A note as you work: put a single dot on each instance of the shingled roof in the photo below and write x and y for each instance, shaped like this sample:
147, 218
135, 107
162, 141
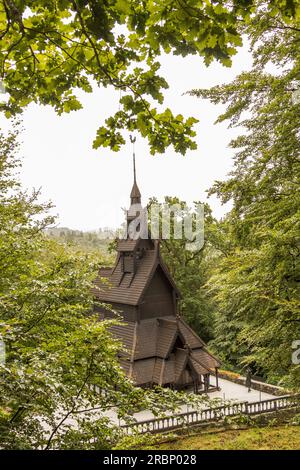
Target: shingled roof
128, 288
167, 332
127, 244
156, 370
205, 359
147, 354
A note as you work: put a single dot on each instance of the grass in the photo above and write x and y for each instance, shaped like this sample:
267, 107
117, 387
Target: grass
275, 438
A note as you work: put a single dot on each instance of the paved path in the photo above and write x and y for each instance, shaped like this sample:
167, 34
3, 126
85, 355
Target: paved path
229, 391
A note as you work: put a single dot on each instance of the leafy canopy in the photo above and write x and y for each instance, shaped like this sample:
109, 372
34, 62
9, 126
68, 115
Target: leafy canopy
256, 284
51, 49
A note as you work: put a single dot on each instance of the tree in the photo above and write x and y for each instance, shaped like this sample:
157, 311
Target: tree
90, 242
257, 283
50, 49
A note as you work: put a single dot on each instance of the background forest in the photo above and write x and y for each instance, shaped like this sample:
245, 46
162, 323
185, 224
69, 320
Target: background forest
240, 292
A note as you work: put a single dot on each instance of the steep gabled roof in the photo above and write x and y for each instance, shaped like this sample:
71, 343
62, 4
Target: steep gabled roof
120, 290
143, 371
152, 356
166, 336
129, 288
181, 358
204, 358
159, 263
191, 338
199, 368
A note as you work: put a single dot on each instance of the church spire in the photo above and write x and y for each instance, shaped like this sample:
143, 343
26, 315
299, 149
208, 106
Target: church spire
135, 195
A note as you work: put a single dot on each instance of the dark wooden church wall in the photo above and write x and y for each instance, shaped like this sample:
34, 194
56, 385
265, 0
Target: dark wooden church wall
128, 312
158, 299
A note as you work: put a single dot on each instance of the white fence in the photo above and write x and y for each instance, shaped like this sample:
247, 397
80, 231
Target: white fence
180, 420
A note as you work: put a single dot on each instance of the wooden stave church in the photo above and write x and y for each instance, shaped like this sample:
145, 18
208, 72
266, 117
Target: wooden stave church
159, 347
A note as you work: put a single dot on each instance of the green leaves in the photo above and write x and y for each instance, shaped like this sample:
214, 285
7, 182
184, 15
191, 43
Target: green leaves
158, 128
257, 284
55, 351
58, 47
108, 137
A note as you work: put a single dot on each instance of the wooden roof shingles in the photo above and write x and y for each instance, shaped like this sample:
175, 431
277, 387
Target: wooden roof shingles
146, 339
204, 358
166, 336
181, 357
191, 338
120, 291
154, 339
105, 271
128, 244
125, 333
168, 376
143, 371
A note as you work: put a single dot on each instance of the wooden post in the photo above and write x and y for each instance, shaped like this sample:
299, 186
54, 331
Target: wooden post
217, 378
206, 382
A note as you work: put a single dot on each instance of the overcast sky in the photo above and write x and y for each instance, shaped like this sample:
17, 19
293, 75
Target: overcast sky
89, 187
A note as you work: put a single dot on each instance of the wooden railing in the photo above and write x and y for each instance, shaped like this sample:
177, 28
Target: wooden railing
168, 423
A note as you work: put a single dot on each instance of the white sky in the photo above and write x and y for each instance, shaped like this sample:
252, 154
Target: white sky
89, 187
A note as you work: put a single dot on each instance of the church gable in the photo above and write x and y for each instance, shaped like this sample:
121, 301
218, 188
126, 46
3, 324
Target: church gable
126, 287
158, 296
138, 277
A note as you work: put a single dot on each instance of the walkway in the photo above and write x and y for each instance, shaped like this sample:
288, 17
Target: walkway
229, 391
232, 391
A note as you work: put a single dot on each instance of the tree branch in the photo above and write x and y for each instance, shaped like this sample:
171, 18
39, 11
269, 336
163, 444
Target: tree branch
74, 404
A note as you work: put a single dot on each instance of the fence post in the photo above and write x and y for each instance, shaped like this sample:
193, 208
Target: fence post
246, 408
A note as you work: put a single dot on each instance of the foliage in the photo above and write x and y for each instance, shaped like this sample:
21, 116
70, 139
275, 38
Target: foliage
138, 441
53, 349
95, 242
256, 283
51, 49
295, 420
277, 438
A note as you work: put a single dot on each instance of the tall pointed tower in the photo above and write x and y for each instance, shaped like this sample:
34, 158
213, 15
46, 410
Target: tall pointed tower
159, 347
135, 195
136, 217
